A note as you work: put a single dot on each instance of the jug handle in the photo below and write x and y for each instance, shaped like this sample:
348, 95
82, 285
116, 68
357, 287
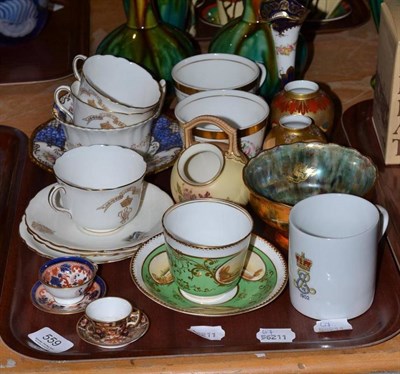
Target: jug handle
233, 147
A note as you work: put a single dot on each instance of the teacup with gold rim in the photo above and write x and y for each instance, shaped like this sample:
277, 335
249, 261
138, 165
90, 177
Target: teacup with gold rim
207, 244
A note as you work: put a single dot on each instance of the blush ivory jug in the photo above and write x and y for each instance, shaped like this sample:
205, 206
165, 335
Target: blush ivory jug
267, 32
204, 169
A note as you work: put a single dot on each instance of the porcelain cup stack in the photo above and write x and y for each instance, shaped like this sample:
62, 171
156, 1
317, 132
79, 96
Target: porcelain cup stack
100, 208
112, 101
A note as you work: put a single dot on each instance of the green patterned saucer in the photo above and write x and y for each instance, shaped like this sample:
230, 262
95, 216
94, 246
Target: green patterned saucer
263, 279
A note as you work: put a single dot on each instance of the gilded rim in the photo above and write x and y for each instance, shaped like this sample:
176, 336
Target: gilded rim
203, 201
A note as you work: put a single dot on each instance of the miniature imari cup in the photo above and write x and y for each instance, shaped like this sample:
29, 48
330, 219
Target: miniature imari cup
67, 278
207, 244
111, 317
99, 186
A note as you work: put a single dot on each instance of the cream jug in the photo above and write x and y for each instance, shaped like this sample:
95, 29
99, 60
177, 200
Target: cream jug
209, 170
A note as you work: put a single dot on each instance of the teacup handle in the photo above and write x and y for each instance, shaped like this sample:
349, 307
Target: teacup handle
75, 69
61, 106
163, 89
233, 147
384, 220
134, 318
53, 201
263, 73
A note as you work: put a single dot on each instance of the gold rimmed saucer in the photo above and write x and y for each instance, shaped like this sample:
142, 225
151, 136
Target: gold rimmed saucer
263, 280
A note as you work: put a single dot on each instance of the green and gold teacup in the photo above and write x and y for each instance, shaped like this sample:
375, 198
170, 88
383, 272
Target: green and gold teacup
207, 242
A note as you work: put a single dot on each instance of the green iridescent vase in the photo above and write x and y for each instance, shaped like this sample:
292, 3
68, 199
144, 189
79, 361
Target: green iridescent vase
149, 42
267, 32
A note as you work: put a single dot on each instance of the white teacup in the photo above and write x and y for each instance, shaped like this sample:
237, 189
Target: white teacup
136, 137
333, 242
99, 186
244, 111
207, 243
116, 84
84, 114
216, 71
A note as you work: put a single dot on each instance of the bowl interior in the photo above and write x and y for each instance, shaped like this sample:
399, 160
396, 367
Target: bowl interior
290, 173
67, 274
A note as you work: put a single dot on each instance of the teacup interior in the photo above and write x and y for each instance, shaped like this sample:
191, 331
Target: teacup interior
334, 215
216, 74
100, 167
240, 111
208, 223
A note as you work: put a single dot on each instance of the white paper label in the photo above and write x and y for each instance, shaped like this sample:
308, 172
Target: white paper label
208, 332
265, 335
50, 341
330, 325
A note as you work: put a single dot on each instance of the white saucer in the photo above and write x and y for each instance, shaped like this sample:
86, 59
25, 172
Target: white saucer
58, 230
81, 252
44, 251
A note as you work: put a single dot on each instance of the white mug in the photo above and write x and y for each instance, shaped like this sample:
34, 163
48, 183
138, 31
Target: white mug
333, 247
99, 186
216, 71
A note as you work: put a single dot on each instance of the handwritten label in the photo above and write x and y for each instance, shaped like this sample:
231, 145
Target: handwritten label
50, 341
208, 332
330, 325
265, 335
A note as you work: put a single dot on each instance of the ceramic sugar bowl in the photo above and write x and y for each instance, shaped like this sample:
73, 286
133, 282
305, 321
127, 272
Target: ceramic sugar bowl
292, 129
305, 98
207, 170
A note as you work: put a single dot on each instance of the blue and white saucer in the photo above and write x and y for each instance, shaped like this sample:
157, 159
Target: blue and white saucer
47, 143
44, 301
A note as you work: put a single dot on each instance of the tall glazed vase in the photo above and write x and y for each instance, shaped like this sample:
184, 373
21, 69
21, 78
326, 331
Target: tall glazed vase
149, 42
267, 32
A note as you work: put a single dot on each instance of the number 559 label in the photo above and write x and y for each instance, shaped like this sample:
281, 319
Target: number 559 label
50, 341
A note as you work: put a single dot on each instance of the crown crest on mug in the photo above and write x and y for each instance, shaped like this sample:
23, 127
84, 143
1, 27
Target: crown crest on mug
303, 262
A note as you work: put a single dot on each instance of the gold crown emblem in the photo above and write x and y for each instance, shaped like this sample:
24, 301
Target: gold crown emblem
126, 202
303, 262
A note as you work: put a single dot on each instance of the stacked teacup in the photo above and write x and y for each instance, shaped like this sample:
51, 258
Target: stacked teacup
112, 101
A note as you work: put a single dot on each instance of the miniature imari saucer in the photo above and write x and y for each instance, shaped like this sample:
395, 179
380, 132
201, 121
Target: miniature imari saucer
46, 302
263, 279
57, 230
86, 332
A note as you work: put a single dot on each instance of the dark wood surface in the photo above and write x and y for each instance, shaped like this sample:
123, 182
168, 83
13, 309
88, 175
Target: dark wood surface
49, 55
13, 152
358, 127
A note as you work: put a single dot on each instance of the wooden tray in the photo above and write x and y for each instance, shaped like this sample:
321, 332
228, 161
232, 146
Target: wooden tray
49, 55
13, 151
360, 133
168, 334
